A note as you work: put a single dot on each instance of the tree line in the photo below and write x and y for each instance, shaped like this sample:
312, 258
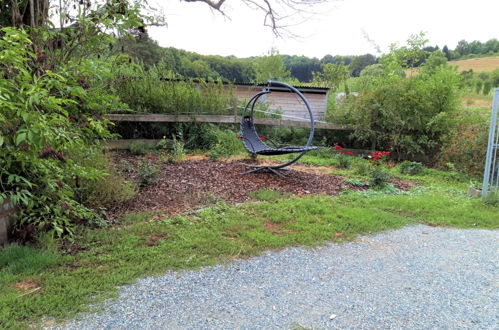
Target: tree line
186, 64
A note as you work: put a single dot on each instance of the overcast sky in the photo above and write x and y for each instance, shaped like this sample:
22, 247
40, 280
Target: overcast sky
339, 28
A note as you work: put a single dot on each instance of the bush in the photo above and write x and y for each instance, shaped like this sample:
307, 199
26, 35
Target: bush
344, 161
224, 143
177, 153
108, 190
362, 167
48, 114
465, 144
146, 91
148, 173
378, 177
140, 148
492, 198
409, 116
411, 168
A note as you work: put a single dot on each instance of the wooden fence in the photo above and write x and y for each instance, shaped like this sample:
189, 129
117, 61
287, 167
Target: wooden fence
231, 119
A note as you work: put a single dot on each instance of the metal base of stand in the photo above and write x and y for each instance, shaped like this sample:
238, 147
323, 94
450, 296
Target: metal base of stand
271, 169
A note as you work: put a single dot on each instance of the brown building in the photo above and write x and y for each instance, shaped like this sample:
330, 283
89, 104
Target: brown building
287, 102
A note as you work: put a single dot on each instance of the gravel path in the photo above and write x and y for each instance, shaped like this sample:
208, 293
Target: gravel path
417, 277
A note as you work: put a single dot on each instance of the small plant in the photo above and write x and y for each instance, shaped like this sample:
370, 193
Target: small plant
492, 198
450, 166
357, 182
164, 144
148, 172
124, 166
178, 152
215, 153
411, 168
362, 168
139, 148
344, 158
378, 177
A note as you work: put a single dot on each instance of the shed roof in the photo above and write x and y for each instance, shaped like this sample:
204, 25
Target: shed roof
301, 88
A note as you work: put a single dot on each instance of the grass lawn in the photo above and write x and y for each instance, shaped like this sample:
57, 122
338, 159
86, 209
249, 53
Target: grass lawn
40, 283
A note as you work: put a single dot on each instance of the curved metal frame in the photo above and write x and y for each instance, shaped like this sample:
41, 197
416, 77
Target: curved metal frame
253, 101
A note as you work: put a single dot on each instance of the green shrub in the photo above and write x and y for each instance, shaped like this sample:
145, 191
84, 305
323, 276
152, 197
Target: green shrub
492, 198
106, 191
177, 153
411, 168
378, 177
214, 155
344, 161
146, 91
223, 143
357, 182
407, 115
48, 114
362, 167
465, 144
140, 148
148, 172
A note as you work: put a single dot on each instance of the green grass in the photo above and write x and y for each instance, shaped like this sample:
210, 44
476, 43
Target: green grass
114, 256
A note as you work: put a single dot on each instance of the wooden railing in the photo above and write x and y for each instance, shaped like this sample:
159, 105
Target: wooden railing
160, 118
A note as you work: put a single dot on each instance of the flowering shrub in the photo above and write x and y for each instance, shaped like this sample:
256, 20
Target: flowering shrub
379, 157
408, 115
343, 157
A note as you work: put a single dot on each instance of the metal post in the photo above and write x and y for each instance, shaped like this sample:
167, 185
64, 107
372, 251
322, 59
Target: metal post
492, 147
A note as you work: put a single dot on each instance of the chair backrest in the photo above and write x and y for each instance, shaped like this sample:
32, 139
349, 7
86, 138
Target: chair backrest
250, 137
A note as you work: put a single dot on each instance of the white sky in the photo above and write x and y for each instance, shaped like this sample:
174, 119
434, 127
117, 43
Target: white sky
336, 30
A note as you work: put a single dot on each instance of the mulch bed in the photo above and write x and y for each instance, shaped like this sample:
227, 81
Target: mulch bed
195, 183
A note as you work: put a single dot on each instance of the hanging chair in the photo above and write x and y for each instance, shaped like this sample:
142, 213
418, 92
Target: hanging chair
254, 143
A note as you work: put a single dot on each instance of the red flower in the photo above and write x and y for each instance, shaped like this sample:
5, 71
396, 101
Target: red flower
148, 156
349, 153
239, 137
338, 148
263, 138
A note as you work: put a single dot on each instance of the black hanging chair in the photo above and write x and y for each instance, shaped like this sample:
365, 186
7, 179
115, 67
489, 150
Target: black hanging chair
253, 142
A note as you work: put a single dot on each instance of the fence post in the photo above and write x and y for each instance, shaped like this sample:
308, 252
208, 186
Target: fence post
492, 146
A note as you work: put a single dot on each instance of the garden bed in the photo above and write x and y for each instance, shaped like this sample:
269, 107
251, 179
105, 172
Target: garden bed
197, 182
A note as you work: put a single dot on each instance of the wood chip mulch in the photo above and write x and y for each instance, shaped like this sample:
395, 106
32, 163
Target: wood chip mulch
195, 183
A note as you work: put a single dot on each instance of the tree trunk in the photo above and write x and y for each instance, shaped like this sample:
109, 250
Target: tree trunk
32, 13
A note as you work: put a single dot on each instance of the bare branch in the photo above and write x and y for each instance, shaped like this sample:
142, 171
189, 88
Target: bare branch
213, 4
277, 13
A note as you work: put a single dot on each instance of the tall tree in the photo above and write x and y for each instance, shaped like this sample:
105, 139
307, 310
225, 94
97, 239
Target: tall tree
270, 67
333, 76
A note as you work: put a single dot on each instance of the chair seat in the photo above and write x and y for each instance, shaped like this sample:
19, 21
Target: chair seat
284, 150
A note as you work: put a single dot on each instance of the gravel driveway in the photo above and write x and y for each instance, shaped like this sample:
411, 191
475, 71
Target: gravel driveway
417, 277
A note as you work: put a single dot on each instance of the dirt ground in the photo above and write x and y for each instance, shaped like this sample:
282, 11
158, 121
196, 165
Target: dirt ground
196, 182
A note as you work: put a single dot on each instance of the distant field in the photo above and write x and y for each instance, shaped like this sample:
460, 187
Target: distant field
476, 100
486, 64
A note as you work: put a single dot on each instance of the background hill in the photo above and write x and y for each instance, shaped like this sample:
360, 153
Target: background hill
486, 64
